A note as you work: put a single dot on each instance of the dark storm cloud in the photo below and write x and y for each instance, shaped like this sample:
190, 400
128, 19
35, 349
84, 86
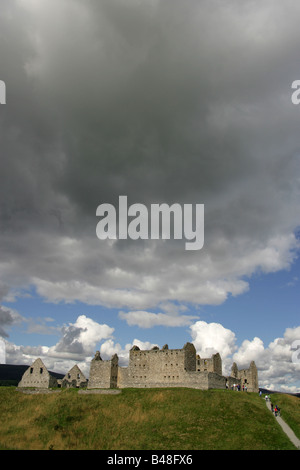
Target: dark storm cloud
8, 317
163, 101
5, 320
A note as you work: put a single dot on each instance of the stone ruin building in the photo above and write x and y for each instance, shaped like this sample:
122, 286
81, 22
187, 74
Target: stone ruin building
103, 374
37, 376
247, 377
74, 378
169, 368
149, 368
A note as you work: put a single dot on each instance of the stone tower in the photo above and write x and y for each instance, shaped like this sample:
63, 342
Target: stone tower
248, 377
103, 374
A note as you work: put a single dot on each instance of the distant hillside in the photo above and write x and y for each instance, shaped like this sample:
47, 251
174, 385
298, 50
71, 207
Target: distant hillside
11, 374
269, 392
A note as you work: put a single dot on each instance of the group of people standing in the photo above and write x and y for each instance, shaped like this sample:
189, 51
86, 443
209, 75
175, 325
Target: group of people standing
275, 409
238, 387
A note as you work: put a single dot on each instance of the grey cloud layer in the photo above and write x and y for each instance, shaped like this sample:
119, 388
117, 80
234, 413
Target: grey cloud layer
160, 101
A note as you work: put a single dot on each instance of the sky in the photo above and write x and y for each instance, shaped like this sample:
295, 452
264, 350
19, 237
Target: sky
164, 102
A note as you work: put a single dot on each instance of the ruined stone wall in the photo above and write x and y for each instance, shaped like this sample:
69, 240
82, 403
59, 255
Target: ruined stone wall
204, 364
249, 378
189, 379
185, 379
37, 376
211, 364
103, 374
100, 374
216, 380
204, 380
167, 368
74, 378
232, 381
193, 379
158, 367
190, 357
123, 380
217, 364
114, 371
155, 368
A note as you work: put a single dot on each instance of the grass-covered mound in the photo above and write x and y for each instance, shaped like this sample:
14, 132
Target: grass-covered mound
149, 419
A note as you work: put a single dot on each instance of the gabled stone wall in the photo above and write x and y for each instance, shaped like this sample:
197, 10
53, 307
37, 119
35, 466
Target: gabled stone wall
74, 378
37, 376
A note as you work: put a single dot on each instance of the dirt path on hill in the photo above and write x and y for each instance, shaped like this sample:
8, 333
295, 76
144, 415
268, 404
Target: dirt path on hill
290, 433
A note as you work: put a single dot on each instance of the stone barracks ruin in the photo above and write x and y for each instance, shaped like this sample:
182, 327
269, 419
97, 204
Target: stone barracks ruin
150, 368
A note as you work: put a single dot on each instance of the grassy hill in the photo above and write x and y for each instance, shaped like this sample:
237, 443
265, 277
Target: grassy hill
148, 419
290, 410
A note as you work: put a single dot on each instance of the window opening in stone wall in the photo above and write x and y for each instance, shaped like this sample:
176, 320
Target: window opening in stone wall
41, 370
31, 370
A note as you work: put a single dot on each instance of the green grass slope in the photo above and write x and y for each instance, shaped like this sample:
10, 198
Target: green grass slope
289, 410
148, 419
